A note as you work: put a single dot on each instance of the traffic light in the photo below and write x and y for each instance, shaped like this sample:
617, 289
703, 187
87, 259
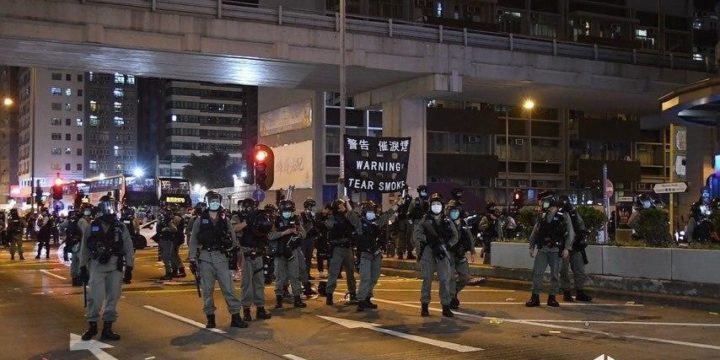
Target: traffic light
57, 189
263, 166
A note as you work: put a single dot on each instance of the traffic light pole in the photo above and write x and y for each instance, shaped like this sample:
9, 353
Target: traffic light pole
343, 99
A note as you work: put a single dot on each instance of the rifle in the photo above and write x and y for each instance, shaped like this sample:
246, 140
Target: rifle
435, 242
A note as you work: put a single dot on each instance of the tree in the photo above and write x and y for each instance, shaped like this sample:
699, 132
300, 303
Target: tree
213, 171
593, 218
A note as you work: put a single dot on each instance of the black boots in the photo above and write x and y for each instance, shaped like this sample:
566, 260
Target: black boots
534, 301
365, 304
370, 303
181, 272
329, 299
167, 276
567, 296
246, 314
410, 255
12, 256
552, 302
352, 299
210, 321
91, 331
278, 301
446, 311
455, 303
582, 296
76, 281
261, 314
107, 333
236, 321
424, 311
297, 302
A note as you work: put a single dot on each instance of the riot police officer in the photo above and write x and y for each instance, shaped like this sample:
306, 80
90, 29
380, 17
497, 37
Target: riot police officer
285, 240
577, 259
434, 234
106, 247
71, 251
341, 225
490, 228
252, 246
370, 245
211, 242
551, 238
127, 216
15, 229
308, 222
458, 261
167, 234
418, 208
699, 226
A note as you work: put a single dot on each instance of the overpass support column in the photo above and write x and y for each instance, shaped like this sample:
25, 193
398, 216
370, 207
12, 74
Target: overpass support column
408, 118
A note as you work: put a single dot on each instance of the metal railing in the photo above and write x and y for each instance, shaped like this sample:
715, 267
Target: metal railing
229, 9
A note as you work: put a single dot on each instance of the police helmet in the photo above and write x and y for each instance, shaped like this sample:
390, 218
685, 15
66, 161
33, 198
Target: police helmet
309, 203
457, 193
262, 223
548, 199
246, 203
128, 211
451, 205
368, 206
106, 206
435, 197
212, 195
564, 203
335, 206
644, 201
287, 205
200, 206
271, 207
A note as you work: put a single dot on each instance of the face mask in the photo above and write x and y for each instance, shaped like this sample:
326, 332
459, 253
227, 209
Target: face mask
214, 206
87, 213
423, 194
646, 204
436, 208
370, 216
454, 215
286, 214
545, 205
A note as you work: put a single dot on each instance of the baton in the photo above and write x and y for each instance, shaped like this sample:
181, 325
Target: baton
84, 295
584, 257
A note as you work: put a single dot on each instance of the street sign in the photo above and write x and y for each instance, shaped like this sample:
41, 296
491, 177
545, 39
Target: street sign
670, 188
609, 188
258, 195
352, 324
625, 199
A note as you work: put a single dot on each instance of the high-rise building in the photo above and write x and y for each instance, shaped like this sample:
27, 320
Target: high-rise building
150, 122
51, 116
8, 131
203, 117
110, 124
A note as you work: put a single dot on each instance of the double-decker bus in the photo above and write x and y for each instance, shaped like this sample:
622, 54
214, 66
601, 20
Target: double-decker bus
130, 190
174, 191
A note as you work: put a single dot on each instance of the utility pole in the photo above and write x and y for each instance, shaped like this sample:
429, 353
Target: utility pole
343, 99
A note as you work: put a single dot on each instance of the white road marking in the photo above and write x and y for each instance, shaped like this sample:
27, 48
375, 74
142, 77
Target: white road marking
523, 304
95, 347
53, 275
183, 319
609, 322
293, 357
150, 358
352, 324
435, 290
561, 327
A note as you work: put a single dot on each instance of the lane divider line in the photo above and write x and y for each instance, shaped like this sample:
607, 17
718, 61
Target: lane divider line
183, 319
53, 275
561, 327
522, 303
293, 357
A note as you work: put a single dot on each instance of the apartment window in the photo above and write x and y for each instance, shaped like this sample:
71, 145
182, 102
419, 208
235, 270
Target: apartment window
79, 107
56, 76
79, 77
68, 77
55, 166
91, 76
68, 107
79, 167
119, 121
79, 122
67, 167
68, 137
118, 106
116, 150
79, 92
79, 137
55, 91
93, 105
93, 165
94, 120
55, 122
118, 92
68, 122
119, 78
79, 152
131, 79
56, 106
56, 136
56, 151
68, 151
68, 92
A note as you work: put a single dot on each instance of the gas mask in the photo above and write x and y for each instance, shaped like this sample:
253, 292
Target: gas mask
370, 216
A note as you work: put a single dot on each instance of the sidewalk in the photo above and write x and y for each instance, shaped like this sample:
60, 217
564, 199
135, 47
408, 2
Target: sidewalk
661, 292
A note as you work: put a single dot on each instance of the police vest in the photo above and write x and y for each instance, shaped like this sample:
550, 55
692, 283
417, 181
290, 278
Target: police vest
421, 207
342, 230
214, 237
464, 244
103, 244
14, 227
128, 221
369, 240
282, 225
551, 234
72, 234
309, 224
437, 233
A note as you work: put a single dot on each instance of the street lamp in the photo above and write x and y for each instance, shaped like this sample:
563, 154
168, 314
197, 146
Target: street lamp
8, 102
528, 104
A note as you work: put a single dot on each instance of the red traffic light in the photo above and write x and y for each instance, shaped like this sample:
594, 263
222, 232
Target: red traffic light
261, 155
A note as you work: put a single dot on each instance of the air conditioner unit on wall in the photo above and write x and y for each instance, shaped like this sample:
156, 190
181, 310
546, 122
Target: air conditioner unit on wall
519, 141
